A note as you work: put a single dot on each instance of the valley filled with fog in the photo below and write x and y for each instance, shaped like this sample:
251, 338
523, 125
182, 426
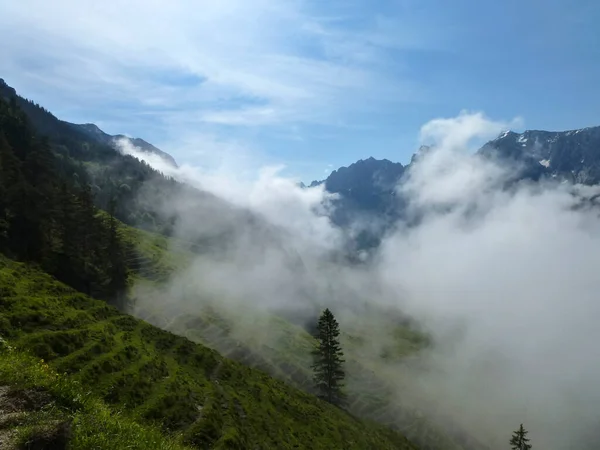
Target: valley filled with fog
498, 274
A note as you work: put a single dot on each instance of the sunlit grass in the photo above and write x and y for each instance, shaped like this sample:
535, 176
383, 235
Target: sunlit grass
167, 388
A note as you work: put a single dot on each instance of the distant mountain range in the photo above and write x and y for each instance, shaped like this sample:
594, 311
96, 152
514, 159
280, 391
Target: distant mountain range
367, 189
565, 155
91, 130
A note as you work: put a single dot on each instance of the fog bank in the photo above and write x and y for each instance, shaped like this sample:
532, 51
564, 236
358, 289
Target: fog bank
503, 279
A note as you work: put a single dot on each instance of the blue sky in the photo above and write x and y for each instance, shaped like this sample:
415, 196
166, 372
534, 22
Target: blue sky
309, 84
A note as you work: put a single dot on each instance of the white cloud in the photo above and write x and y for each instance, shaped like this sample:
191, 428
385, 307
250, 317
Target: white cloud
278, 199
515, 272
457, 133
448, 174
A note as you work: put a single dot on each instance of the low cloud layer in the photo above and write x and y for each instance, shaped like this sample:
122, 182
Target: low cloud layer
503, 279
514, 272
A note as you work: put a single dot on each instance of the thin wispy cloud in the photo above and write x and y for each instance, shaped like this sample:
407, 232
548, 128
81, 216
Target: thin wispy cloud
282, 75
228, 62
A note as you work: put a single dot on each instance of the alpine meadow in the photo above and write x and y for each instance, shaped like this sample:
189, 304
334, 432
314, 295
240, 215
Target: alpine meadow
198, 251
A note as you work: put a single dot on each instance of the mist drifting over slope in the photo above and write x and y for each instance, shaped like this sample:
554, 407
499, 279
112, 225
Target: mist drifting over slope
502, 275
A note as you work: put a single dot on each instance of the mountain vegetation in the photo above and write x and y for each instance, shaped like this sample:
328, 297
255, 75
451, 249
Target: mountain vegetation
519, 439
328, 360
156, 379
68, 200
137, 190
41, 408
284, 350
49, 218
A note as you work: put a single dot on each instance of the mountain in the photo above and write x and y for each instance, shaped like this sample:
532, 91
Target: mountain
366, 197
366, 183
96, 133
91, 156
369, 202
144, 198
40, 120
572, 155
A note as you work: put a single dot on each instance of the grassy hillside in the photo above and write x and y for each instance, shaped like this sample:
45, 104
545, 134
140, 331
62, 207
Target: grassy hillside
41, 408
150, 256
165, 381
283, 350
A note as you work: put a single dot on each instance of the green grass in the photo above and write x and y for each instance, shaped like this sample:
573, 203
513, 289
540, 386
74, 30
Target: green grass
283, 350
163, 381
153, 257
64, 401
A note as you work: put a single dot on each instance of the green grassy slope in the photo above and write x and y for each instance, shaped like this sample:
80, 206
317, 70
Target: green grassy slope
283, 350
161, 379
41, 408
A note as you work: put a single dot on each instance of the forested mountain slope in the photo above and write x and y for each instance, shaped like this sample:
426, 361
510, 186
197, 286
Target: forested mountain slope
136, 189
47, 215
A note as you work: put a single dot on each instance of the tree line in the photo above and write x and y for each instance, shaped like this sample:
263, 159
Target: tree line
48, 216
137, 188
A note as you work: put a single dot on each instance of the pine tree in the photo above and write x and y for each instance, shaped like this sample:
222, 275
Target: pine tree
328, 360
519, 440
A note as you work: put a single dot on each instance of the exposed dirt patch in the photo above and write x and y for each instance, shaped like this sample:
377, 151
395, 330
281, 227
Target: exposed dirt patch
16, 400
51, 436
17, 408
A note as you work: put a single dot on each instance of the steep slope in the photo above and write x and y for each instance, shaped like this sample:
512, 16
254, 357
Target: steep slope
43, 409
272, 344
160, 378
134, 192
137, 190
367, 200
49, 125
95, 133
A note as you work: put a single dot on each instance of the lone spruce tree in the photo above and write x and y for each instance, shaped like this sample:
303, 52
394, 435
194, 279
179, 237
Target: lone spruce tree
328, 362
519, 440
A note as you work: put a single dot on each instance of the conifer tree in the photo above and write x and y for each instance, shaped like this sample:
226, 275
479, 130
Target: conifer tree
328, 360
519, 440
